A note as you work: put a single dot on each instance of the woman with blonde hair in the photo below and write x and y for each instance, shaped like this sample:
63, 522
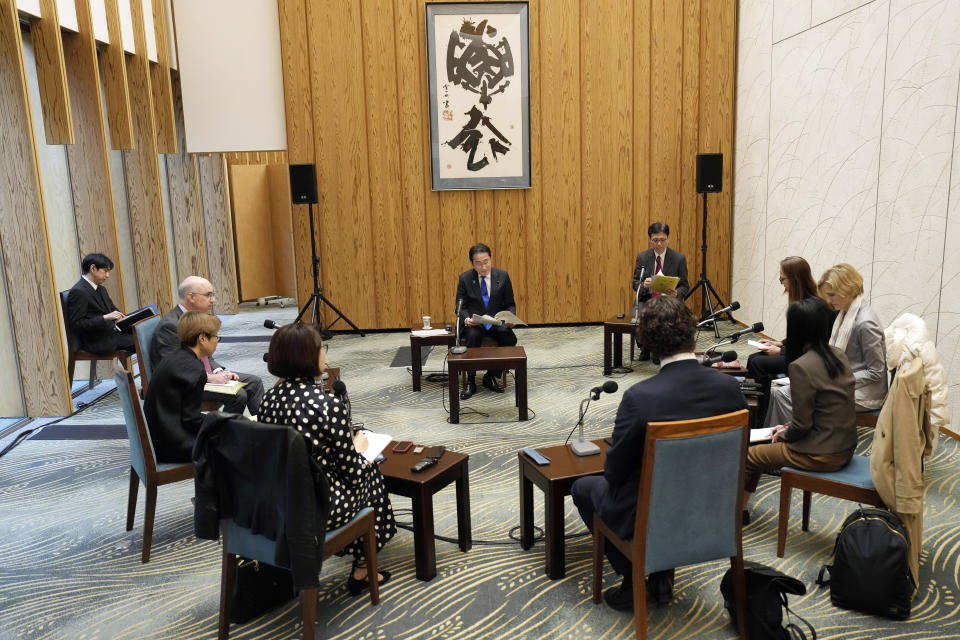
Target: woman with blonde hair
857, 331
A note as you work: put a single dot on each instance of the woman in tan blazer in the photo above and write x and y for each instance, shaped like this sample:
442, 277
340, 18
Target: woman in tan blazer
822, 433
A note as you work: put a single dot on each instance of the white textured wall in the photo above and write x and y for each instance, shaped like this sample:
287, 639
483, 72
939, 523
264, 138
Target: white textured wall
847, 151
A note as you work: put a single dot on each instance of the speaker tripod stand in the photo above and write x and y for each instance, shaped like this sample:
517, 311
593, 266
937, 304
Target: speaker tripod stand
317, 297
707, 292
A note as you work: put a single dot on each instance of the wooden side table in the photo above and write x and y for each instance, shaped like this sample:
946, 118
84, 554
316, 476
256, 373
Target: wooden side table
424, 341
420, 487
613, 331
555, 480
480, 358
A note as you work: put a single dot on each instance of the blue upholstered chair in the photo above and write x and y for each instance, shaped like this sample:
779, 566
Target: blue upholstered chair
853, 483
688, 522
142, 337
144, 467
240, 541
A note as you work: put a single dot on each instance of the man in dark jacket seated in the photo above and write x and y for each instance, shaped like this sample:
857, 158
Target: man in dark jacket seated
172, 405
91, 314
682, 390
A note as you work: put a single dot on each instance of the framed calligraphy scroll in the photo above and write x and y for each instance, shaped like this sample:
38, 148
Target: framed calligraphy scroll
479, 73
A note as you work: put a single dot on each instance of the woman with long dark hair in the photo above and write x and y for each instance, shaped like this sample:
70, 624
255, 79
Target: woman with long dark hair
297, 357
798, 283
821, 433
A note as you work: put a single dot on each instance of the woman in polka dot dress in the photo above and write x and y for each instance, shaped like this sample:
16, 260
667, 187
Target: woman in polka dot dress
297, 358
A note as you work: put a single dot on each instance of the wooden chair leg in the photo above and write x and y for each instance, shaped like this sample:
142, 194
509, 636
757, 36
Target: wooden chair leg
308, 600
228, 575
598, 545
806, 512
93, 375
370, 553
639, 601
785, 491
71, 363
132, 498
740, 595
148, 517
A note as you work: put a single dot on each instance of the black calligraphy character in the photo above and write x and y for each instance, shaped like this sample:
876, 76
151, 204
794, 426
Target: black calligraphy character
481, 67
469, 139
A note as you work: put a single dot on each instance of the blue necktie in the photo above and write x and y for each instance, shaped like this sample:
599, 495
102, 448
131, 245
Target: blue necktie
485, 295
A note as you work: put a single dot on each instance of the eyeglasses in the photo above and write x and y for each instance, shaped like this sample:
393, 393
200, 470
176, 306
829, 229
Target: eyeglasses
782, 279
658, 240
481, 263
325, 346
208, 294
212, 336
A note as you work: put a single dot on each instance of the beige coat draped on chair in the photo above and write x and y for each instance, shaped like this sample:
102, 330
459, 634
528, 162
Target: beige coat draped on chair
908, 425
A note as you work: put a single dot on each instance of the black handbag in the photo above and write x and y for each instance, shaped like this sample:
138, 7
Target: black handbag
767, 591
259, 587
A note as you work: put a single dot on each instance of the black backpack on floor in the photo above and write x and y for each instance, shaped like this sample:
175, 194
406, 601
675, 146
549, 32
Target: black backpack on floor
870, 570
767, 591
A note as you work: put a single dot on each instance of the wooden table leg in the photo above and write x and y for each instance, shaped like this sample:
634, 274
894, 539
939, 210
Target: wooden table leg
618, 349
464, 532
553, 533
521, 380
526, 509
453, 388
415, 361
607, 350
423, 546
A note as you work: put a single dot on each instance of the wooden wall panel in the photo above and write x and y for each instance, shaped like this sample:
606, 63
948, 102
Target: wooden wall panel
342, 154
606, 98
160, 82
253, 231
218, 230
620, 104
278, 177
51, 75
191, 256
143, 180
717, 78
23, 238
560, 148
383, 163
90, 179
113, 63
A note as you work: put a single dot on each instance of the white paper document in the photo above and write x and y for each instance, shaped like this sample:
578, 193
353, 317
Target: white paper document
424, 333
760, 435
375, 444
758, 345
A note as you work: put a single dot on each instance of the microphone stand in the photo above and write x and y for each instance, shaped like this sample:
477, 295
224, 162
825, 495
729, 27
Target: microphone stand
581, 447
457, 347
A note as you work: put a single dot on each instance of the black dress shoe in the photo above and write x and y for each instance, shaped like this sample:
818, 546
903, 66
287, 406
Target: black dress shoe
619, 598
356, 587
644, 355
469, 390
491, 383
744, 517
660, 586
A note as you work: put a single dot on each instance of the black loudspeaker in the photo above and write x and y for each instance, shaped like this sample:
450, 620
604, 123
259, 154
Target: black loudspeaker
709, 172
303, 183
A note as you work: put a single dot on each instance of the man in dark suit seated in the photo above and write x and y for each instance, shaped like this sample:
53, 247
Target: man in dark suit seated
484, 289
196, 294
91, 314
682, 390
659, 258
172, 405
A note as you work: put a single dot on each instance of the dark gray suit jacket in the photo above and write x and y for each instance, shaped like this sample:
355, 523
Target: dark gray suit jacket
501, 293
166, 341
823, 416
85, 310
674, 264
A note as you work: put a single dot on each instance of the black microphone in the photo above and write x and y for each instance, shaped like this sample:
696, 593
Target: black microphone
340, 391
270, 324
756, 327
609, 387
726, 356
733, 307
457, 348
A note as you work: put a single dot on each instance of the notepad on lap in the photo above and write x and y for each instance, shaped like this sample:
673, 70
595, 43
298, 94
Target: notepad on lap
231, 388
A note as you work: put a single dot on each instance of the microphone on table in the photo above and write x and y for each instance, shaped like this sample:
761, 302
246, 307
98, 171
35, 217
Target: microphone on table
716, 314
726, 356
270, 324
458, 348
581, 447
340, 391
756, 327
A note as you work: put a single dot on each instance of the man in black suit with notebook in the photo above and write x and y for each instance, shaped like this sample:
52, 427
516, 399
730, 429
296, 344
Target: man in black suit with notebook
91, 314
659, 258
682, 390
484, 289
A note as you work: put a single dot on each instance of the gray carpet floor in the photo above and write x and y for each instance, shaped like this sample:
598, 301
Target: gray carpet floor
68, 569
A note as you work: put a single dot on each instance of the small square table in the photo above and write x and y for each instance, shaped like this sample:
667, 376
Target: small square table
555, 479
416, 342
613, 331
496, 358
420, 487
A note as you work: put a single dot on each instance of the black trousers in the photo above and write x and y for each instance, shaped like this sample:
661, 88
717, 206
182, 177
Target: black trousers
763, 368
473, 337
